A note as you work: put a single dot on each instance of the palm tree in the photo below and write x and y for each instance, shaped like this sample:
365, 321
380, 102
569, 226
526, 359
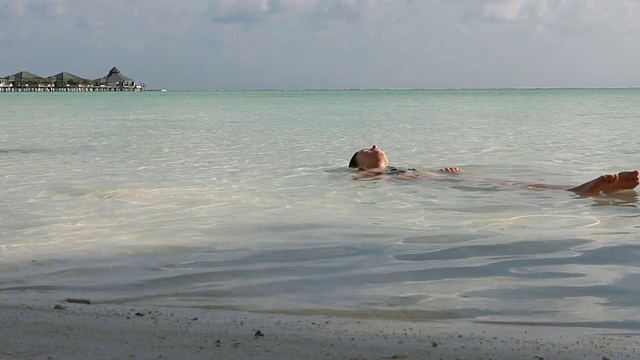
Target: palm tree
46, 82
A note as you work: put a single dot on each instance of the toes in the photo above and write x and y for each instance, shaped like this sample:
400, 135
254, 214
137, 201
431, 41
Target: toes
628, 174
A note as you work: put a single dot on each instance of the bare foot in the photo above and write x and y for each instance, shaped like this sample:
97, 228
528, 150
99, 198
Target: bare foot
596, 185
625, 180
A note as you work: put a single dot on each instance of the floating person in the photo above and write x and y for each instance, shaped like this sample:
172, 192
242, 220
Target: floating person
373, 163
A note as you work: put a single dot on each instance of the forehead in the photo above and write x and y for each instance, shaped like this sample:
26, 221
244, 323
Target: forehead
365, 153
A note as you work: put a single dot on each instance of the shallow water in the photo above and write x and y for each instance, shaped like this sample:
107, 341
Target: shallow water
243, 200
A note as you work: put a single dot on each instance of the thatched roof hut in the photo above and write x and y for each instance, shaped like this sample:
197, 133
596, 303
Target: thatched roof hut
115, 78
64, 78
23, 78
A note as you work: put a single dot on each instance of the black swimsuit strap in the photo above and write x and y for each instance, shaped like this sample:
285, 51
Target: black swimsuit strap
392, 170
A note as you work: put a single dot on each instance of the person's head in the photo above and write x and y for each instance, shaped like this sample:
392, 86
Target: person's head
371, 158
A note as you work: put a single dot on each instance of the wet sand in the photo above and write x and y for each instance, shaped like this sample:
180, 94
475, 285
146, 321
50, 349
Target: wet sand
64, 330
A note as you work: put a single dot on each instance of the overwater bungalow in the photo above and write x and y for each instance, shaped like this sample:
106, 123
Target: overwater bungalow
4, 82
115, 78
65, 79
25, 81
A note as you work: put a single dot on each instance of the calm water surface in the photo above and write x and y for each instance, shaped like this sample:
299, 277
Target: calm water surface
243, 200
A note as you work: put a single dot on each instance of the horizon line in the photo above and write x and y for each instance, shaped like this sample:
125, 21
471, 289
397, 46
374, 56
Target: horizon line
418, 89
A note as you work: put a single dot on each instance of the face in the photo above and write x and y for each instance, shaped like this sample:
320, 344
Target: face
371, 158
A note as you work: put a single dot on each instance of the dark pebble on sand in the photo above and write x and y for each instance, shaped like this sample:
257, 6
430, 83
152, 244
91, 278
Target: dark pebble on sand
258, 334
434, 344
139, 314
79, 301
60, 307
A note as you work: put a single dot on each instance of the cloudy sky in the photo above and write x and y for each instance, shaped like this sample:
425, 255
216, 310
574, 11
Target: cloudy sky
293, 44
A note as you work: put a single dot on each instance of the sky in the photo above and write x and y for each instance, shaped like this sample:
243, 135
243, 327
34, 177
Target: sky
328, 44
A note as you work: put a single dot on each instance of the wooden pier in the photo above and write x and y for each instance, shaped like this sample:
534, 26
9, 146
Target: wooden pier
25, 81
69, 89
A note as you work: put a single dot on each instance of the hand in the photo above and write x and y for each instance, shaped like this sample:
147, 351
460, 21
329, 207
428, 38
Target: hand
450, 170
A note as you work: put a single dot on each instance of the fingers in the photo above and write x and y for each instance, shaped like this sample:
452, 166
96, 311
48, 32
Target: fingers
450, 170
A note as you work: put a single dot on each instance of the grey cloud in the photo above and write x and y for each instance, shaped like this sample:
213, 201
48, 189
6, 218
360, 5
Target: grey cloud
241, 12
45, 8
11, 10
236, 18
4, 12
38, 9
254, 11
81, 24
339, 10
24, 9
564, 15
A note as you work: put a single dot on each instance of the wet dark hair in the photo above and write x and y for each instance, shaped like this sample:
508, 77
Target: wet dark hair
354, 162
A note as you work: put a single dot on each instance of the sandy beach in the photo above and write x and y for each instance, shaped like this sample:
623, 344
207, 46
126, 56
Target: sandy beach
66, 330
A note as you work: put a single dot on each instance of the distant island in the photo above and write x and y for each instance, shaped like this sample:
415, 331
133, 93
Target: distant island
25, 81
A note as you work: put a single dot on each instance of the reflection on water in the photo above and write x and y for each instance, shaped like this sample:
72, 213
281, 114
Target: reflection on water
22, 151
622, 198
494, 250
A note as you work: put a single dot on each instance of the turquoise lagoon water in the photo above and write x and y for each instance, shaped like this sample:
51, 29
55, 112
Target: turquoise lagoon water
243, 200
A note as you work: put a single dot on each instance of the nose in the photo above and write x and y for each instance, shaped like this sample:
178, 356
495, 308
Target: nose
374, 147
